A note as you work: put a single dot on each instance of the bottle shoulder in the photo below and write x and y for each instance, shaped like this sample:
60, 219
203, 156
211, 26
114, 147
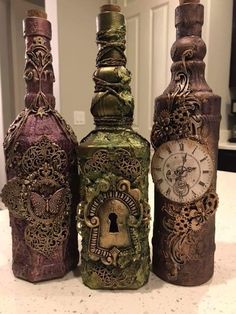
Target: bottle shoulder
29, 127
114, 138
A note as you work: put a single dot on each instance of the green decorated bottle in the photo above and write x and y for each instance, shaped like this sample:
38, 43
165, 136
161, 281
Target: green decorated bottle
113, 216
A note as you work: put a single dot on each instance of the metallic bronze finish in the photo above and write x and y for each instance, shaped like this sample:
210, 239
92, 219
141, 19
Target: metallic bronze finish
185, 138
41, 165
113, 216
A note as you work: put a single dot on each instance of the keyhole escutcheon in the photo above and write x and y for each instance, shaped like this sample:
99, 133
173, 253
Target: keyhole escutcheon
113, 223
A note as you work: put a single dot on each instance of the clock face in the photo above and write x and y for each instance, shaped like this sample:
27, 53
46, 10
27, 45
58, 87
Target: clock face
182, 170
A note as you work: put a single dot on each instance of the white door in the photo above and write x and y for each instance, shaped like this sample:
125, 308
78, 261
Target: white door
150, 35
2, 159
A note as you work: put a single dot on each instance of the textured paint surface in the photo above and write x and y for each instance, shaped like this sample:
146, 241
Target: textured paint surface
185, 138
113, 217
41, 165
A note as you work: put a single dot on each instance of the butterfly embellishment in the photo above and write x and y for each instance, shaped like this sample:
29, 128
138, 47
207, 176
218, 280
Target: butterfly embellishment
48, 207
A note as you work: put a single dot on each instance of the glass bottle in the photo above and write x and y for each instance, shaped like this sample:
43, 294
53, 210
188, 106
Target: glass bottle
185, 139
113, 217
41, 165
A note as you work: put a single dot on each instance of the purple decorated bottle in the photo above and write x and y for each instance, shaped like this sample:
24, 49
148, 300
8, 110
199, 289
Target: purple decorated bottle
41, 166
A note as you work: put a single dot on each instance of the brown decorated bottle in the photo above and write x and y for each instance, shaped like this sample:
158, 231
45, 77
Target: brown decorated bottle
185, 139
41, 165
113, 217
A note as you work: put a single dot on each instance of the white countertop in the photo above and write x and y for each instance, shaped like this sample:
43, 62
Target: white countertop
69, 295
227, 145
224, 143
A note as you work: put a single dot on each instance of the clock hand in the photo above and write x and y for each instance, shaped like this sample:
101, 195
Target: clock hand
181, 169
185, 171
190, 169
184, 159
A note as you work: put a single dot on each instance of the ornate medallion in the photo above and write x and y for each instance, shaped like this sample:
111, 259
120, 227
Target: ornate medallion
40, 195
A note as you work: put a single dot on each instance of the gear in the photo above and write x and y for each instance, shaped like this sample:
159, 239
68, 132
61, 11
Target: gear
180, 115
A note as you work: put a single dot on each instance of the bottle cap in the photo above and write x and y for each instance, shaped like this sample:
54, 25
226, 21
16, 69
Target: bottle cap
36, 24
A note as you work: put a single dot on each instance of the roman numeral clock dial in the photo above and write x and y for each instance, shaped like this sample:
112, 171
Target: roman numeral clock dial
182, 170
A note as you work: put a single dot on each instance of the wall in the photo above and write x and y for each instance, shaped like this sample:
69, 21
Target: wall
51, 9
219, 51
76, 49
8, 111
11, 66
18, 10
76, 22
2, 160
5, 82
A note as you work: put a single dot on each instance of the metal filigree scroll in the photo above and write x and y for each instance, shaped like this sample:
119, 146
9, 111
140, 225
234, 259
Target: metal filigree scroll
182, 224
120, 161
181, 117
41, 196
38, 69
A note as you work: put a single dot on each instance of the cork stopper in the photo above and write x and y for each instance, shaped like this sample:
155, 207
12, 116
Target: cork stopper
110, 8
37, 13
181, 2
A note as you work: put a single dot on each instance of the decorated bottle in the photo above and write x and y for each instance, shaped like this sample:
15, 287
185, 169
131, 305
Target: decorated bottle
41, 165
185, 139
113, 217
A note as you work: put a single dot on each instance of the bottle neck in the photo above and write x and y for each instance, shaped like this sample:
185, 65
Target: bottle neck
110, 123
38, 72
112, 104
189, 49
189, 18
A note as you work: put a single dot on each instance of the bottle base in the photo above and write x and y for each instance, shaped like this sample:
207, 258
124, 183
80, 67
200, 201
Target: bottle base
121, 286
38, 273
98, 276
188, 275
